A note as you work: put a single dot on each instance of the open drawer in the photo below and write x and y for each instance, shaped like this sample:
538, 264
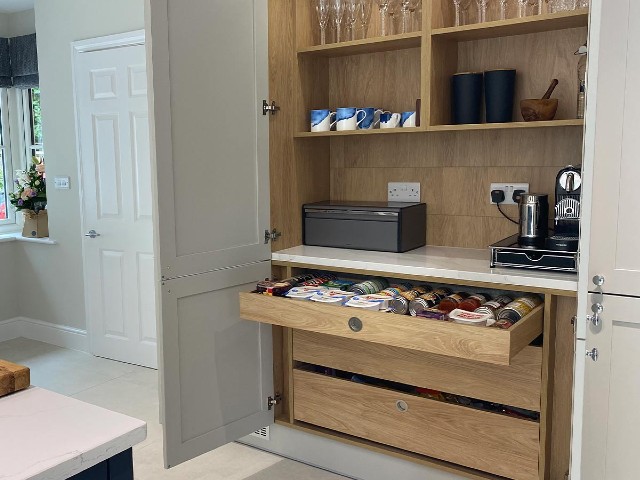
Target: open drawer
483, 344
486, 441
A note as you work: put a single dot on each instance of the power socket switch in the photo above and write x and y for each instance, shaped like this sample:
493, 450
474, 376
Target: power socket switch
403, 192
508, 189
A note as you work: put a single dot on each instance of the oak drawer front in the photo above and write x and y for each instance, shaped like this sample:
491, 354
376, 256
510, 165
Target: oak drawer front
480, 440
481, 344
517, 384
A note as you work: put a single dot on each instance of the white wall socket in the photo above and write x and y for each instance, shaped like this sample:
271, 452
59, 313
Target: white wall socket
508, 189
403, 192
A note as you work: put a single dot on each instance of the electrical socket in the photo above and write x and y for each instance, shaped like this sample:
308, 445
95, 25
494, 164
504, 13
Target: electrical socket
403, 192
508, 189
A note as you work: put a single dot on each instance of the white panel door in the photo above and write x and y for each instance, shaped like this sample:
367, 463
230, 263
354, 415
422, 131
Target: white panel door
615, 223
607, 389
611, 420
208, 68
119, 270
210, 75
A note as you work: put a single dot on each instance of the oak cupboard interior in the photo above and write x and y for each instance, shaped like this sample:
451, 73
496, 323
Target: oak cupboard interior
454, 164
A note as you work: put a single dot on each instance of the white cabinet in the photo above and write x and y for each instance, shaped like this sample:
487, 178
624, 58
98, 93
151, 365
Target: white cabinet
607, 390
208, 72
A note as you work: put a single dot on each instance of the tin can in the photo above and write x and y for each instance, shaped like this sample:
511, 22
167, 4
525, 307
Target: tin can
369, 287
494, 306
400, 304
474, 301
428, 300
519, 308
338, 284
453, 301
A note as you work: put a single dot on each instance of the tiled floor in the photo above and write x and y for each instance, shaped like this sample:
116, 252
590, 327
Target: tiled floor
133, 391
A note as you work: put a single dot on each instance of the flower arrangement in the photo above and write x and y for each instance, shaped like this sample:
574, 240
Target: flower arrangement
31, 188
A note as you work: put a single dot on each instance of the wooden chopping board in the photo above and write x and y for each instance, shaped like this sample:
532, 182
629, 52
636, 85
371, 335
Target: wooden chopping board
13, 377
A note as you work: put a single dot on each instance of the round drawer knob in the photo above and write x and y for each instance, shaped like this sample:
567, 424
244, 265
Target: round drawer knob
402, 406
355, 324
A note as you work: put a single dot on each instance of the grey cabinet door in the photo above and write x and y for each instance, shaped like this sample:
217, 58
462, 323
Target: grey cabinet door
207, 66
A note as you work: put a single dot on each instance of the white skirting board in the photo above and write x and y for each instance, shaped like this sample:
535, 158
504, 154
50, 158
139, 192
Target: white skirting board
59, 335
337, 457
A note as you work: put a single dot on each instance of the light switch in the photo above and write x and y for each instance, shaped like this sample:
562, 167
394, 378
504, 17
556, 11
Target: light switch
62, 183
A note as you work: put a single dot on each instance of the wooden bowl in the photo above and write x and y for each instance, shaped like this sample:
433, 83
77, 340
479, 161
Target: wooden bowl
535, 109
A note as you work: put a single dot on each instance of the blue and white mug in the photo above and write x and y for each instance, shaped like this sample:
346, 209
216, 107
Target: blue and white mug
321, 120
389, 120
408, 119
371, 118
349, 118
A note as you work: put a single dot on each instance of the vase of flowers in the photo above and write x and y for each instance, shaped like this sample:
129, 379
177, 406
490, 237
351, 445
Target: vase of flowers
30, 198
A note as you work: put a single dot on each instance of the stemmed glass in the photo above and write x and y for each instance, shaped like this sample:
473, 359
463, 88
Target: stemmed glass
350, 17
482, 10
322, 11
383, 6
337, 10
363, 15
503, 9
461, 7
522, 8
394, 13
413, 7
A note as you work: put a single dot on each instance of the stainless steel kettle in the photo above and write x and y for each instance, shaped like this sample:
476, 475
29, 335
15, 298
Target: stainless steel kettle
534, 219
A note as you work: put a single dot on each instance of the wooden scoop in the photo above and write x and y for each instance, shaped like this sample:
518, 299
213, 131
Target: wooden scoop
535, 110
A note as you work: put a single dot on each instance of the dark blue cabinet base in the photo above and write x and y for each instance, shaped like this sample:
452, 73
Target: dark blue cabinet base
118, 467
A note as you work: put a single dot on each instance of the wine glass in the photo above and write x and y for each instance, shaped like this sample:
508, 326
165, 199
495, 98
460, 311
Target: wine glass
350, 16
522, 8
482, 10
461, 7
504, 4
394, 12
322, 11
363, 14
413, 7
337, 11
383, 6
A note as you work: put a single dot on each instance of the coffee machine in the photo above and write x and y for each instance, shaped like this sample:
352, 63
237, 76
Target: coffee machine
567, 211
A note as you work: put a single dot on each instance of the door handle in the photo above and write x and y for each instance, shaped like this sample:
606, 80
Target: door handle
92, 234
593, 354
597, 309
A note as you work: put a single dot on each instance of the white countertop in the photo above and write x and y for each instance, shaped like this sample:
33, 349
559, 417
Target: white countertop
442, 262
47, 436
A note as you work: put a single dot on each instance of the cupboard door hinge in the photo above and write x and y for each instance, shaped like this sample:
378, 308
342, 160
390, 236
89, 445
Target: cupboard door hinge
266, 108
271, 236
273, 401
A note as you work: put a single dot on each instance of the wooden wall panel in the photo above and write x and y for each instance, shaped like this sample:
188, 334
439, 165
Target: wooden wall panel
455, 170
389, 80
538, 58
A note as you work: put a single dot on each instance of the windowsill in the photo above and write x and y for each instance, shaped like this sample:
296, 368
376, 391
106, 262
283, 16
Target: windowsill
17, 237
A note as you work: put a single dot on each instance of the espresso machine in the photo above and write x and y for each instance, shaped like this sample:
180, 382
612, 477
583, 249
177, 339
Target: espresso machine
567, 211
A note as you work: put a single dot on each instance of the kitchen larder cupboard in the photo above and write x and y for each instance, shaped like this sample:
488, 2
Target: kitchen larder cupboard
606, 419
227, 175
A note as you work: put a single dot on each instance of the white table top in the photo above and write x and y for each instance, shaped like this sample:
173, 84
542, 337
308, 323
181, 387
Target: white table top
47, 436
443, 262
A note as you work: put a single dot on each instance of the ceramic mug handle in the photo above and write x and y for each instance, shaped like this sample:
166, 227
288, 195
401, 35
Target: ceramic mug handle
364, 115
332, 124
376, 117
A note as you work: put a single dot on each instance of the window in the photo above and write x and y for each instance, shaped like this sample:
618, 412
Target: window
6, 169
32, 123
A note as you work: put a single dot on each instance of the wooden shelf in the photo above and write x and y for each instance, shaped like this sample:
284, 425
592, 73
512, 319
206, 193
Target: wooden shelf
447, 128
502, 126
515, 26
368, 45
377, 131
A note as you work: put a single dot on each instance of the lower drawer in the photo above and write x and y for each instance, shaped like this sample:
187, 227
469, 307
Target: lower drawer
485, 441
